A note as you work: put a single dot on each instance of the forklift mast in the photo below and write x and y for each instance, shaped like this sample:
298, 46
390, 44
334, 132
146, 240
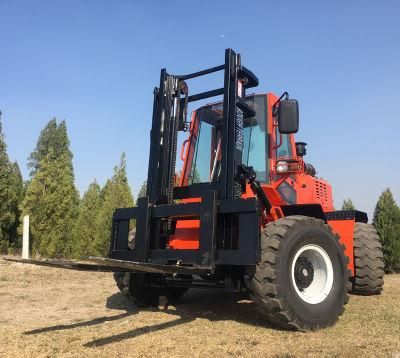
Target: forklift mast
169, 111
223, 215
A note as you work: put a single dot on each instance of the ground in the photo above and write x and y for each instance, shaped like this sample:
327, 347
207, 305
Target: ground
46, 312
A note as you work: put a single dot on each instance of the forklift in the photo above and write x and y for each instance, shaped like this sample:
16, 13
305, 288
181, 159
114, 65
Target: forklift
246, 212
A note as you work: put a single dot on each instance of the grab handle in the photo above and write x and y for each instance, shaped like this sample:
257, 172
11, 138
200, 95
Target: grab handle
183, 149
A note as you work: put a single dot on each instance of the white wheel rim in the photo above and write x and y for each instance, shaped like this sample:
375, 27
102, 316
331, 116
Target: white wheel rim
321, 274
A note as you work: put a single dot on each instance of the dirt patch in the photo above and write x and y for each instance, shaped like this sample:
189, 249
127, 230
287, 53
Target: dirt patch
52, 312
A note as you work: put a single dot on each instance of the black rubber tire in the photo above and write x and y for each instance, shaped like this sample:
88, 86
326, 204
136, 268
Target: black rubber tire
272, 287
134, 286
368, 261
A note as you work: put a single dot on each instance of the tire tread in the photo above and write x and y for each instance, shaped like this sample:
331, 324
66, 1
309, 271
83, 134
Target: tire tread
368, 261
264, 285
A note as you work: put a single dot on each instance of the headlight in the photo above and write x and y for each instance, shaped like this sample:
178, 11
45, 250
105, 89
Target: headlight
282, 166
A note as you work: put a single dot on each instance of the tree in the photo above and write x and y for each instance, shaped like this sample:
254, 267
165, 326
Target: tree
4, 196
348, 205
53, 138
142, 191
115, 194
17, 195
85, 231
11, 192
387, 223
51, 198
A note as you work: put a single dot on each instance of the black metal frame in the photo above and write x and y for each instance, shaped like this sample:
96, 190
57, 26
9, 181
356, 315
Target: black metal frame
315, 211
357, 216
229, 225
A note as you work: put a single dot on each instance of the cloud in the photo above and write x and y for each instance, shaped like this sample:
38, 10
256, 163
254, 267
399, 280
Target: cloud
222, 36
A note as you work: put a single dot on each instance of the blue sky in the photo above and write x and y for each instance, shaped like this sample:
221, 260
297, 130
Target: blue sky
95, 63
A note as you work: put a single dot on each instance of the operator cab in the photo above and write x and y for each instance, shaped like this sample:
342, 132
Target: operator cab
202, 161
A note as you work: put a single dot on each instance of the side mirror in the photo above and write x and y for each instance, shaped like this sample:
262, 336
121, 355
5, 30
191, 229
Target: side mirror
288, 116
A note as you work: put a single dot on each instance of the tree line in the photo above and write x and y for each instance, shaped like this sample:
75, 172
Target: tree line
64, 225
61, 223
386, 220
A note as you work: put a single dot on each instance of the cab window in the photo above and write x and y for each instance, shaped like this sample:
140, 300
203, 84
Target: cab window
255, 139
200, 171
285, 149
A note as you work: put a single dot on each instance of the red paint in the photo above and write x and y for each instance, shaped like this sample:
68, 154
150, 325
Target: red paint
345, 230
186, 235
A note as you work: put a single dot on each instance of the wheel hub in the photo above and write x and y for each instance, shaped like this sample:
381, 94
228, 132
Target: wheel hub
312, 273
303, 272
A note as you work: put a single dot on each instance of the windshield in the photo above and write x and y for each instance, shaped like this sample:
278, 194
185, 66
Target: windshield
205, 166
255, 139
200, 171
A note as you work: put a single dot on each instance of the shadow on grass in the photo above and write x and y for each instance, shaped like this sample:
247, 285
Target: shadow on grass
116, 301
213, 305
137, 332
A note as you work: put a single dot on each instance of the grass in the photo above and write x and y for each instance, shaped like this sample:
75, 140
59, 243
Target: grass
75, 314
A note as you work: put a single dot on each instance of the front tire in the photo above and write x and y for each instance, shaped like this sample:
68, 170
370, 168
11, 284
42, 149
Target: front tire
137, 287
301, 280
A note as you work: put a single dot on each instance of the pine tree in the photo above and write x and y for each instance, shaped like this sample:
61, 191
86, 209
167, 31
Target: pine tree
387, 223
53, 138
11, 191
17, 195
51, 198
142, 191
348, 205
115, 194
85, 231
4, 199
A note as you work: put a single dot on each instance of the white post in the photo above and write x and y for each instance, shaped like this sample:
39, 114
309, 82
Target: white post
25, 238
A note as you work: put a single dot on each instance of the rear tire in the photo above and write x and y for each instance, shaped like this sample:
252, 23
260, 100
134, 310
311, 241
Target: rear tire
301, 280
136, 286
368, 261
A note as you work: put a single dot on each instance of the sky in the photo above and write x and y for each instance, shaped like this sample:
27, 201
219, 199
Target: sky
95, 63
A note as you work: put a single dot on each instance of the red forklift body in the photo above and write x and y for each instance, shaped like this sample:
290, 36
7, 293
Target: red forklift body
298, 185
